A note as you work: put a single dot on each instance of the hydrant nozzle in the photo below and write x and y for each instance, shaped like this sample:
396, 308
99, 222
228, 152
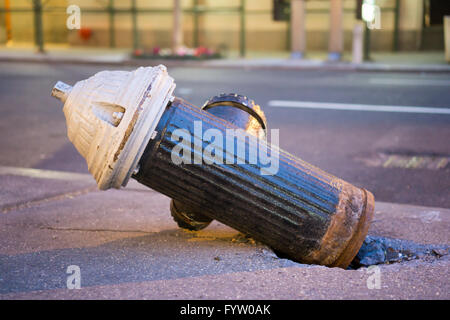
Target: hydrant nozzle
61, 91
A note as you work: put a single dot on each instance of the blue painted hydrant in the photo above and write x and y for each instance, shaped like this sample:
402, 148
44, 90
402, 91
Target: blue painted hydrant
215, 163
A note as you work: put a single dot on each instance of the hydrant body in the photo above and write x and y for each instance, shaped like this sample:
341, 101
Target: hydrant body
128, 124
301, 211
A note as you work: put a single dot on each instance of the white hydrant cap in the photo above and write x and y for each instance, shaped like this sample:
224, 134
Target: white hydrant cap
111, 117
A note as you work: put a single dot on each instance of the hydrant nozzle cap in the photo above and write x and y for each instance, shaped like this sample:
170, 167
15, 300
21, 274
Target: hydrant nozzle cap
61, 91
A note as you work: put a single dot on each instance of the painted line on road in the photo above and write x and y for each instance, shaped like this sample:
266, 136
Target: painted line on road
45, 174
355, 107
184, 91
64, 175
410, 82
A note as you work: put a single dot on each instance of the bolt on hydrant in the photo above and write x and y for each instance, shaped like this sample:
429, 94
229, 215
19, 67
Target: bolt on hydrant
215, 163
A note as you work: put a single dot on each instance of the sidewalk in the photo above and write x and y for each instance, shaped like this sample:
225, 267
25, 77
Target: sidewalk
395, 62
128, 247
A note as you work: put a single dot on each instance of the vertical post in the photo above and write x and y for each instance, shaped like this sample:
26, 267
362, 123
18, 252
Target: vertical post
298, 29
134, 21
38, 34
112, 36
447, 38
177, 32
8, 22
396, 24
336, 36
242, 45
422, 31
196, 23
367, 43
358, 42
288, 32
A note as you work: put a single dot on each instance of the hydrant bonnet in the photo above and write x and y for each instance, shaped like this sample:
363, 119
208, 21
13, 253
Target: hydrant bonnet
111, 117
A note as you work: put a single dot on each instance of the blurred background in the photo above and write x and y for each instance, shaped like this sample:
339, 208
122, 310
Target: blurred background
233, 27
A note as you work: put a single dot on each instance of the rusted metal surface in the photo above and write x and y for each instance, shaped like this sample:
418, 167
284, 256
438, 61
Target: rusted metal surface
348, 228
301, 211
240, 111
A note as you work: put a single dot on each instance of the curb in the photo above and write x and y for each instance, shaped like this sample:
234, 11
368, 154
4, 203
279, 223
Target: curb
281, 64
47, 174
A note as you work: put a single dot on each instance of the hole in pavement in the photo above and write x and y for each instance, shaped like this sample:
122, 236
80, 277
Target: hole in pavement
381, 250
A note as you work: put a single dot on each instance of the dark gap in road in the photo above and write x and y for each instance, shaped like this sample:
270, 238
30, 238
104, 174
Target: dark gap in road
381, 250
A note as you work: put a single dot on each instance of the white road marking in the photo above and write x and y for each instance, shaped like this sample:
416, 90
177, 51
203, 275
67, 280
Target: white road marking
184, 91
45, 174
356, 107
410, 82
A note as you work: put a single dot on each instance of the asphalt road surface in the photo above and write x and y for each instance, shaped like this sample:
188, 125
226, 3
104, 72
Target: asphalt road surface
358, 126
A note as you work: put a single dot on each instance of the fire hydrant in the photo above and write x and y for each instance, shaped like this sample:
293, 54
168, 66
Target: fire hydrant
129, 124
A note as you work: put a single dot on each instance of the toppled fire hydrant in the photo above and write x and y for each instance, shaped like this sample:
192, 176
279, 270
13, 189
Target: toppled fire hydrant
128, 124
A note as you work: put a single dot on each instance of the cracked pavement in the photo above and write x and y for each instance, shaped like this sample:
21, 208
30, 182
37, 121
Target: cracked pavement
128, 247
